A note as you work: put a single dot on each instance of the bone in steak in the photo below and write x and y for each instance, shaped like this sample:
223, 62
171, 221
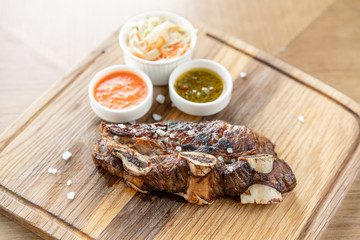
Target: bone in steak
196, 160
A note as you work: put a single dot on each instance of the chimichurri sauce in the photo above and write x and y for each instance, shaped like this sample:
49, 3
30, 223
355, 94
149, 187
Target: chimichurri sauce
199, 85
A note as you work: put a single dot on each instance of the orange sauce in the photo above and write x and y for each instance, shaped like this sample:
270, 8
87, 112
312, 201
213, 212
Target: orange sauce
120, 90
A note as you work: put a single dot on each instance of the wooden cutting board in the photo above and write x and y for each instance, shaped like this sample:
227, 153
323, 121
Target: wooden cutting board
323, 153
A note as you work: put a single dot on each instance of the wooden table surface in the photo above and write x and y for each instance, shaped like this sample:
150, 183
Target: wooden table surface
40, 41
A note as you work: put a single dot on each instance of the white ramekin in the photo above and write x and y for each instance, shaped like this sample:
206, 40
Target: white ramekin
126, 115
158, 71
201, 109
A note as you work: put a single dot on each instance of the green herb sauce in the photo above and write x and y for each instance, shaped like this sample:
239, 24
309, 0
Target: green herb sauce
199, 85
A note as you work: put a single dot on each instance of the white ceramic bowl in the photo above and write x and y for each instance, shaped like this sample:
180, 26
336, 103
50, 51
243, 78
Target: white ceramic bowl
158, 71
126, 115
201, 109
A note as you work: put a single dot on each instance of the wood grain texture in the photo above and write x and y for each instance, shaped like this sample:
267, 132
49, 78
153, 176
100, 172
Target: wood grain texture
268, 100
329, 50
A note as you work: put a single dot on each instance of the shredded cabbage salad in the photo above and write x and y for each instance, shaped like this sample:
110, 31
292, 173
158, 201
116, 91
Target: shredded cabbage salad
156, 38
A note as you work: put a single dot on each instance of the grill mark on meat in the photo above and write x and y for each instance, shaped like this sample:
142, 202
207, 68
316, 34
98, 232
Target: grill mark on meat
171, 173
223, 144
188, 147
206, 149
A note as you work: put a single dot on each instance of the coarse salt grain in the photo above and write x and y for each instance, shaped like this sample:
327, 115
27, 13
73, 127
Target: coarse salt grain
191, 132
215, 136
243, 74
121, 125
157, 117
160, 98
52, 170
230, 168
301, 118
172, 135
178, 148
221, 158
70, 195
69, 182
236, 127
66, 155
160, 132
229, 150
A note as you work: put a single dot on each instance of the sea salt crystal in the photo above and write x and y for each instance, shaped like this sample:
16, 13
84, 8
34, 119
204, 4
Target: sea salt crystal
229, 150
52, 170
70, 195
160, 98
172, 135
160, 132
116, 138
69, 182
215, 136
243, 74
191, 132
157, 117
221, 159
301, 118
230, 168
236, 127
66, 155
178, 148
121, 125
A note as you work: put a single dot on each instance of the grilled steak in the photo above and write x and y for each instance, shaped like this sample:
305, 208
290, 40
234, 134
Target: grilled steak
197, 160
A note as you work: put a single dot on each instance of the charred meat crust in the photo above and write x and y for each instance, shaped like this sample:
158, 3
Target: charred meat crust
158, 145
209, 136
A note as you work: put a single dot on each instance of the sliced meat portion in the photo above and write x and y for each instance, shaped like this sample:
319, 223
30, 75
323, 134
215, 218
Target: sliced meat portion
197, 160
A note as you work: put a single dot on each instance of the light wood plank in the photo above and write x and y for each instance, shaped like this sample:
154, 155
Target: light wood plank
329, 50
